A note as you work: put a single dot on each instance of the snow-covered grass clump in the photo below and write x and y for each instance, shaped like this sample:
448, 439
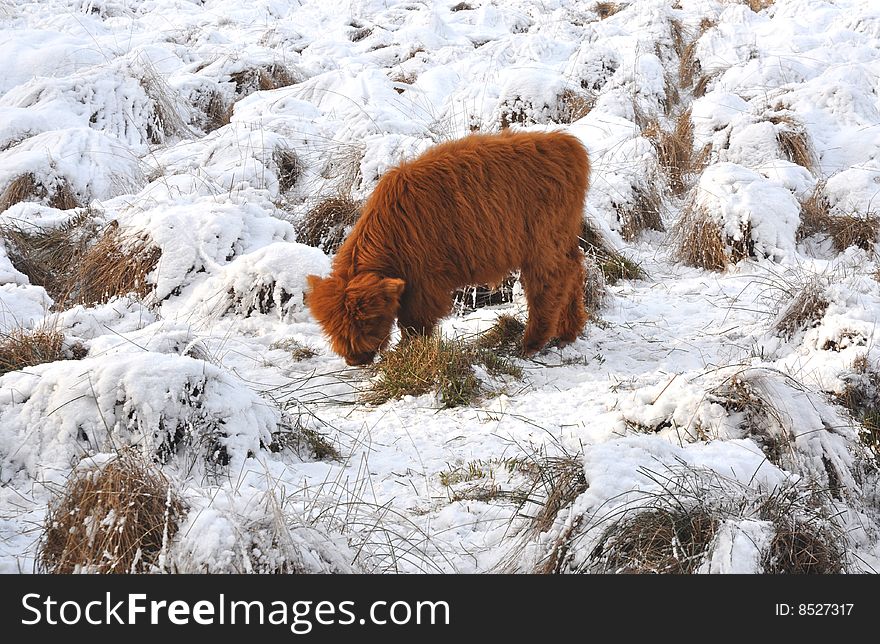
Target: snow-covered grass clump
171, 171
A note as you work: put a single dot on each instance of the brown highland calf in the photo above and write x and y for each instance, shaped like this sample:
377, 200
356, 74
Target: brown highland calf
464, 212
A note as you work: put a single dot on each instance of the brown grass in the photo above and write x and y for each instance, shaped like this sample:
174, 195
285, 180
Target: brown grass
844, 230
815, 213
804, 311
25, 187
861, 398
803, 548
71, 270
48, 255
22, 348
760, 420
164, 119
699, 241
403, 79
422, 364
793, 141
703, 81
670, 540
574, 105
675, 151
758, 5
289, 166
613, 265
327, 223
504, 337
607, 9
263, 78
461, 6
642, 215
117, 264
853, 230
556, 482
296, 349
302, 440
688, 66
118, 518
218, 112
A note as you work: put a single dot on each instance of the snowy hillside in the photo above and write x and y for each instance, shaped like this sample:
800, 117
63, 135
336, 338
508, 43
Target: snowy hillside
172, 170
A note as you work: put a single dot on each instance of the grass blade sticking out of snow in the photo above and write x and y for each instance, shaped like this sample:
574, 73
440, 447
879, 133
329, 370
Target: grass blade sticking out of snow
115, 518
643, 214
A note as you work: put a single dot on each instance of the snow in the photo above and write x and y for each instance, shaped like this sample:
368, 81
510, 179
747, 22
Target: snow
115, 98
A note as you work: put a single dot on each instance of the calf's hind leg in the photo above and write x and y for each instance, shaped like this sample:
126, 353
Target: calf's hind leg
544, 292
574, 315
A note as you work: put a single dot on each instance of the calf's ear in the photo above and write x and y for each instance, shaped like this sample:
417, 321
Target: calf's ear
393, 287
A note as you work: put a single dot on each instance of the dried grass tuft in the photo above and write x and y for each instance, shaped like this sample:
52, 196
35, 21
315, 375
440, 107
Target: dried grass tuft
574, 105
758, 5
165, 119
699, 241
854, 230
327, 223
422, 364
263, 78
218, 111
118, 518
613, 265
671, 539
675, 151
304, 441
689, 67
289, 167
25, 187
643, 214
793, 141
861, 398
297, 350
845, 230
117, 264
607, 9
504, 337
48, 256
22, 348
804, 310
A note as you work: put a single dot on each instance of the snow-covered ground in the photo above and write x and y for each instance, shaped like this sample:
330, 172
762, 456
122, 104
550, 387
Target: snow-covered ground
120, 100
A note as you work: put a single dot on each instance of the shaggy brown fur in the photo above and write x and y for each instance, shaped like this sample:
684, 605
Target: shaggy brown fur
464, 212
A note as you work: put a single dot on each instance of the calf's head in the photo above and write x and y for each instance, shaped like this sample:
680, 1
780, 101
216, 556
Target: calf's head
355, 313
